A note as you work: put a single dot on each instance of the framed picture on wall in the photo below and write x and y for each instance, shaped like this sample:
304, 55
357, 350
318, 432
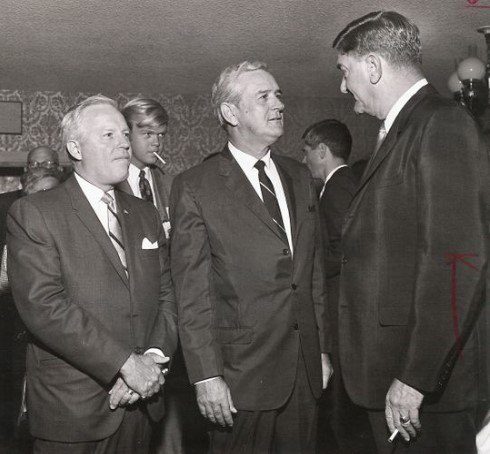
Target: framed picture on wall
10, 117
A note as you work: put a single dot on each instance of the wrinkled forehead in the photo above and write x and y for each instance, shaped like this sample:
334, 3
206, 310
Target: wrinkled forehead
42, 155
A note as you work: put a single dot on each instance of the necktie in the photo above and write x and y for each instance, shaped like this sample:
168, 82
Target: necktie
381, 136
145, 187
270, 199
115, 231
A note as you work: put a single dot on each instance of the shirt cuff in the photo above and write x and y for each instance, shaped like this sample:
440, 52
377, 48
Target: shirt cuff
207, 379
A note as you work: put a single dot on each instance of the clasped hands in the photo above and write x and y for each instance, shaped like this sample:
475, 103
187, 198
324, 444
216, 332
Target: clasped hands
142, 376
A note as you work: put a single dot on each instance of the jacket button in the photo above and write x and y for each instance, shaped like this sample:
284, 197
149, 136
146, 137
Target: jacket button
294, 286
138, 350
285, 252
344, 261
296, 327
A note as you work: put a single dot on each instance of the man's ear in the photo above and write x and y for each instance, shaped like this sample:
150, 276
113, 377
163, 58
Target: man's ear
322, 150
228, 112
73, 148
374, 67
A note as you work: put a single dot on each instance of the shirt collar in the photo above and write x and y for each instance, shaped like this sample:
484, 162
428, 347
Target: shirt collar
93, 193
247, 161
402, 100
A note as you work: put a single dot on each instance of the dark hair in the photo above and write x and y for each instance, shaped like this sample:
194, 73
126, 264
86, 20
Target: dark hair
332, 133
387, 33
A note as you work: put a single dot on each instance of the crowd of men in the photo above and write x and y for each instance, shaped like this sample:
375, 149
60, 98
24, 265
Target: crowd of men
345, 318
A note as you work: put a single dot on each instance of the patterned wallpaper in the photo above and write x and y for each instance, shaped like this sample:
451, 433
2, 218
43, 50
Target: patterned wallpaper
194, 132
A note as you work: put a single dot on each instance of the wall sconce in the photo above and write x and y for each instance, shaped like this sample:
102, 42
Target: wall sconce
469, 83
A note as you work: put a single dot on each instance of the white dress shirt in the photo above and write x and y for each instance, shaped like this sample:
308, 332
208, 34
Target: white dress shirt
400, 103
134, 180
247, 164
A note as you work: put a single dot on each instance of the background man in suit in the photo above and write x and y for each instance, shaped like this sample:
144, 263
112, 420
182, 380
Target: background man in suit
12, 331
90, 279
247, 280
327, 146
408, 311
148, 122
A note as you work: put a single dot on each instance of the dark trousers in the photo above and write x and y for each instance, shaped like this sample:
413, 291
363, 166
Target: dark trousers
442, 433
343, 427
132, 437
289, 429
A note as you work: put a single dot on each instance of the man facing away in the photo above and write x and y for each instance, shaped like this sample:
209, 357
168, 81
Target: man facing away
415, 248
249, 275
327, 147
148, 122
89, 274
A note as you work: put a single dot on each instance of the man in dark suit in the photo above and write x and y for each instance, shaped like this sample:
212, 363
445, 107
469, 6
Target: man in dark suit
327, 147
415, 247
12, 331
248, 275
148, 123
89, 273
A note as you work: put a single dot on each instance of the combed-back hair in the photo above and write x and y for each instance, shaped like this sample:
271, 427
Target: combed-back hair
387, 33
225, 88
70, 125
144, 112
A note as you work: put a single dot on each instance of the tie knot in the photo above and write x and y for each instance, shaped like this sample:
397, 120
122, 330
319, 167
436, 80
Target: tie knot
107, 198
142, 173
259, 165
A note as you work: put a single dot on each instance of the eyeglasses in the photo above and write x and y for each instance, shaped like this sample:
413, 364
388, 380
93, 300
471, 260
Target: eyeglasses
45, 164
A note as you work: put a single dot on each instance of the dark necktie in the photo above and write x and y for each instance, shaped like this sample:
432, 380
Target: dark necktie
270, 199
145, 187
115, 230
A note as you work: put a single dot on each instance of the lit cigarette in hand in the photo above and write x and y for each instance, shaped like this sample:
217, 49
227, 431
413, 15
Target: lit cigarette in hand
159, 157
393, 436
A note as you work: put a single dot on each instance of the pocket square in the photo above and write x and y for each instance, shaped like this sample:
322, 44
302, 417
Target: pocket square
147, 244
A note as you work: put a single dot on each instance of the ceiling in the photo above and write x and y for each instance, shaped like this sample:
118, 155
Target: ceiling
180, 46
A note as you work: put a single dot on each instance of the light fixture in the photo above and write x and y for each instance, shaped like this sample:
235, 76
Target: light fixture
469, 83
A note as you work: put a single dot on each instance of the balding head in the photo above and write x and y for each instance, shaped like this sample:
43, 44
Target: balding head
42, 157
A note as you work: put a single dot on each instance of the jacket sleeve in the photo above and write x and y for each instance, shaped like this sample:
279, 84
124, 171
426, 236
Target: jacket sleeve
191, 274
452, 209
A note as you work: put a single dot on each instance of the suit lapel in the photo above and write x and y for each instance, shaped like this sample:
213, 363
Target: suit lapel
160, 192
388, 144
125, 187
288, 186
89, 219
237, 182
130, 234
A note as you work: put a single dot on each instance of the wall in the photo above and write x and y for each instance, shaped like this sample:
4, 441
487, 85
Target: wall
194, 132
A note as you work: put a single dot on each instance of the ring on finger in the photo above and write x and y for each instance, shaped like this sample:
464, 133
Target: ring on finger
405, 420
130, 392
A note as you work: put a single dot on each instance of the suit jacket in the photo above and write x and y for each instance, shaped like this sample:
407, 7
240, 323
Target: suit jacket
246, 306
333, 206
85, 316
423, 198
162, 183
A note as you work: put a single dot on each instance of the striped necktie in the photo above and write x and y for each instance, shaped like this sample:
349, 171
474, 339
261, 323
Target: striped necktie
115, 231
270, 200
381, 137
145, 188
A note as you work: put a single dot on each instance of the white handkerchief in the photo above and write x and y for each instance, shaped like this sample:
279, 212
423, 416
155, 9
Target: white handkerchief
147, 244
